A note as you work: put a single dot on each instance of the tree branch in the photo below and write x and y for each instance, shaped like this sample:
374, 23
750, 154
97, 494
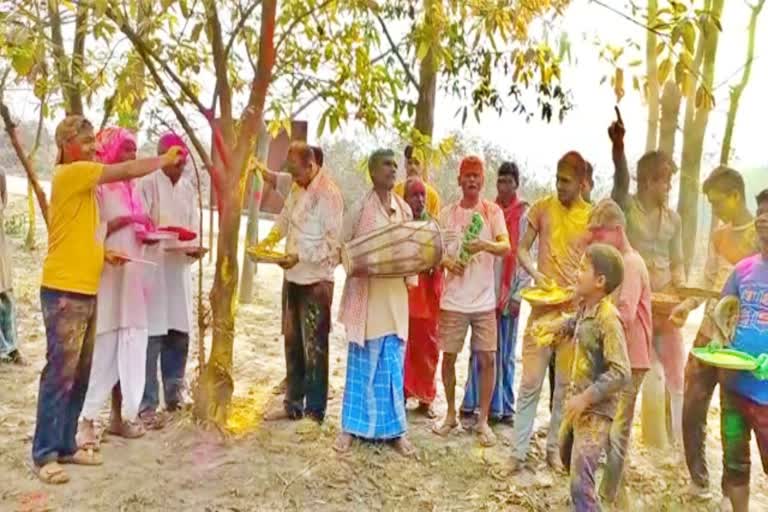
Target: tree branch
78, 54
239, 26
407, 70
317, 95
177, 112
296, 21
147, 55
220, 63
253, 116
10, 127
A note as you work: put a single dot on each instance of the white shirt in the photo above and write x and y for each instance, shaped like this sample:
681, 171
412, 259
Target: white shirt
170, 301
123, 290
311, 221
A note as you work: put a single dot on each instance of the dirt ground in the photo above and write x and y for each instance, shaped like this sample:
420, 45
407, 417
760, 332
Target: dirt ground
291, 466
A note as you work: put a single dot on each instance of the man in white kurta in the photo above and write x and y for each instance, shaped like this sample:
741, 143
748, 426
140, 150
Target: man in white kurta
171, 201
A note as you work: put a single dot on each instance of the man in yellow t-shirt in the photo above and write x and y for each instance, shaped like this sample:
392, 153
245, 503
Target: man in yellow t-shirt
71, 273
415, 167
560, 224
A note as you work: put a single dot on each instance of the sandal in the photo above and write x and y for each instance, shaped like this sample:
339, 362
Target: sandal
446, 428
128, 430
485, 436
343, 443
52, 473
82, 458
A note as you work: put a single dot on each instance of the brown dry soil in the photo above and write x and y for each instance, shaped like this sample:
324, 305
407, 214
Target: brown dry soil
291, 466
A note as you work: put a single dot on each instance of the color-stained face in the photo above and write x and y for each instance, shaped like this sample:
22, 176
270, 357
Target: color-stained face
416, 197
127, 151
174, 171
659, 185
761, 222
384, 173
725, 205
82, 147
413, 166
471, 183
588, 282
568, 184
506, 186
302, 173
611, 235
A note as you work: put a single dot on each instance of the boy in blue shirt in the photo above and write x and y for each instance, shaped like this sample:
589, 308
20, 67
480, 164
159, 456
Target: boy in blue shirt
745, 396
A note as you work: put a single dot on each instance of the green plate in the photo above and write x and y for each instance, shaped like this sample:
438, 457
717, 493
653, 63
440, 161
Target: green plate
725, 358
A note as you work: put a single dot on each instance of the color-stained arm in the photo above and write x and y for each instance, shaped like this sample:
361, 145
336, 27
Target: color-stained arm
620, 191
676, 256
525, 258
617, 373
138, 168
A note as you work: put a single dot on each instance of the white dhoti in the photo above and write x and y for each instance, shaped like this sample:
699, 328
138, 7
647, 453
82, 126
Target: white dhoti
119, 355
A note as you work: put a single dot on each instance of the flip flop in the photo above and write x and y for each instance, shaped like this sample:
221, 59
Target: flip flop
152, 420
443, 430
485, 436
82, 458
52, 473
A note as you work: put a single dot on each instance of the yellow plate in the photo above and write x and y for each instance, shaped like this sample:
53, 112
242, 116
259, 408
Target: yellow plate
546, 296
266, 256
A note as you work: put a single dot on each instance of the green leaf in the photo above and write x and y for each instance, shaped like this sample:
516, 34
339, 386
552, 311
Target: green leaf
664, 68
689, 36
22, 62
196, 31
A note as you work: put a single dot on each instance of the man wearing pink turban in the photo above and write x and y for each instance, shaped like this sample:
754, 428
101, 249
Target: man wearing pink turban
170, 197
121, 326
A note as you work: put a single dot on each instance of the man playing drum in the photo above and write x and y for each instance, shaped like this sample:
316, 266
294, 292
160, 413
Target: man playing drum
311, 223
469, 299
374, 311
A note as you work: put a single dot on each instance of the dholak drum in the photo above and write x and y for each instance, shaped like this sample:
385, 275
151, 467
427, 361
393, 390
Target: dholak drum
397, 250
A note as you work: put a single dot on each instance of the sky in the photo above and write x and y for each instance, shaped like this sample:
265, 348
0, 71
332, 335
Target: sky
539, 143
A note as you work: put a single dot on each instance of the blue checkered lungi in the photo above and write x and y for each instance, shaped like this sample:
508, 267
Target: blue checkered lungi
374, 401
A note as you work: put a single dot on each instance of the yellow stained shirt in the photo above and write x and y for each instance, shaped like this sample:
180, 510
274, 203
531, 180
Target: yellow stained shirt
75, 234
433, 198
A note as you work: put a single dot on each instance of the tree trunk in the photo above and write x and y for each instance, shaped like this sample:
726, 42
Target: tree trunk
253, 197
670, 112
215, 387
652, 70
693, 140
738, 89
425, 105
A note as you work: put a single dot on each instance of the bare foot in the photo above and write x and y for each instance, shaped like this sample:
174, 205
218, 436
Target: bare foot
276, 414
86, 435
554, 463
449, 425
343, 443
426, 410
128, 430
404, 447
